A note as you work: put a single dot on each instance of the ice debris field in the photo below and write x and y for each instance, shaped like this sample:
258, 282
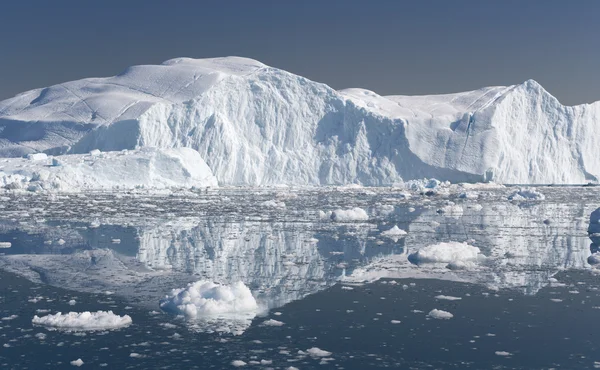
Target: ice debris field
235, 121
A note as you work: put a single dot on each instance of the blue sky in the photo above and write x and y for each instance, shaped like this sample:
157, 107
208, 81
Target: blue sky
391, 47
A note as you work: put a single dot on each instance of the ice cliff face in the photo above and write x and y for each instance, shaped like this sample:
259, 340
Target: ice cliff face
257, 125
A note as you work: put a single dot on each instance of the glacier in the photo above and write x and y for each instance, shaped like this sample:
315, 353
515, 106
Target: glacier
256, 125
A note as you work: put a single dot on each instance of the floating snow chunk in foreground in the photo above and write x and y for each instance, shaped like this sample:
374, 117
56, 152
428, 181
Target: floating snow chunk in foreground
451, 252
526, 194
440, 314
205, 298
99, 320
345, 215
5, 245
238, 363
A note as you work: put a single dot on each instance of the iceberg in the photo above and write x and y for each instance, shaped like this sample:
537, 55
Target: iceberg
77, 321
252, 124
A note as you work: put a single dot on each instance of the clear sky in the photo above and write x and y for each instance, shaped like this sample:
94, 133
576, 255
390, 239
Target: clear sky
391, 47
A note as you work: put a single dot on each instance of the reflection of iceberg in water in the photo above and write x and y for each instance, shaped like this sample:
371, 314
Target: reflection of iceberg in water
279, 261
526, 244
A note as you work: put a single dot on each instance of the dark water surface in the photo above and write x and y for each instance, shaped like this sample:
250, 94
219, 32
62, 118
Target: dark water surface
530, 302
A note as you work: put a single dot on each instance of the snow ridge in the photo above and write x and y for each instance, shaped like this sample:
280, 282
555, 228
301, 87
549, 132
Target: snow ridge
257, 125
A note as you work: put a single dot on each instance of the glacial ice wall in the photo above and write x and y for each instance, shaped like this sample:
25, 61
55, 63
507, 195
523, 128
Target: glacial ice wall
257, 125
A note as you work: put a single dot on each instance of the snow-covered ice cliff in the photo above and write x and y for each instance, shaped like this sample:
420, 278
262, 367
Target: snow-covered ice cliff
257, 125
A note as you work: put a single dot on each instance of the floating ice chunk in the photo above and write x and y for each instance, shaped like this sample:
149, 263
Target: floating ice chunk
451, 252
40, 336
72, 302
11, 317
503, 353
440, 314
345, 215
238, 363
4, 245
317, 352
115, 241
95, 152
204, 298
394, 233
526, 194
272, 322
76, 321
37, 156
395, 321
447, 297
77, 362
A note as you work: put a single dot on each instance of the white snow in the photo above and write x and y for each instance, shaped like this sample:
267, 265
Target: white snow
317, 352
77, 362
451, 252
440, 314
394, 233
5, 245
526, 194
447, 297
238, 363
205, 298
346, 215
272, 322
258, 125
147, 167
99, 320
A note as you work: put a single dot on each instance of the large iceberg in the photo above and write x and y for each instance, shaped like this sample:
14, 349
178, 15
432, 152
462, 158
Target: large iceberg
257, 125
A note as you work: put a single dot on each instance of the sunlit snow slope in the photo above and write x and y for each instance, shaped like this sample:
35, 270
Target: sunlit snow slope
257, 125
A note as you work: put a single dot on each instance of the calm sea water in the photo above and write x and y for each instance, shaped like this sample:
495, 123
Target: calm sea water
531, 301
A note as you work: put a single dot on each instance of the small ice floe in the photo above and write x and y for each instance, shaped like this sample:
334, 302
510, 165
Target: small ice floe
503, 353
395, 321
11, 317
394, 233
317, 352
447, 297
525, 194
272, 322
207, 298
347, 287
60, 242
76, 321
440, 314
346, 215
135, 355
4, 245
238, 363
77, 362
40, 336
115, 241
557, 300
451, 252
